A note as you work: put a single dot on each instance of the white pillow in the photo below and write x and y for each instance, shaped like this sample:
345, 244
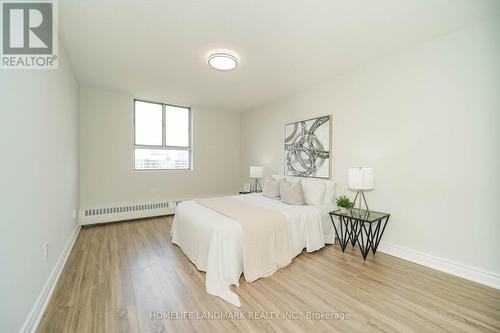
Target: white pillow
313, 191
329, 193
291, 193
278, 177
271, 188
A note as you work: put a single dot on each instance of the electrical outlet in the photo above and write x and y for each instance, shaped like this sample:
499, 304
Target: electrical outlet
74, 214
45, 251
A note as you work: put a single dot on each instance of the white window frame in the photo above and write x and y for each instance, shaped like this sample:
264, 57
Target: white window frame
164, 138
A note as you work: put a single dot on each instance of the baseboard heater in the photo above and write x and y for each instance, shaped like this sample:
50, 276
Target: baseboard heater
126, 212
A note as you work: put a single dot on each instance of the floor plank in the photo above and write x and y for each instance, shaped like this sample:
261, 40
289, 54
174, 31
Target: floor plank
119, 275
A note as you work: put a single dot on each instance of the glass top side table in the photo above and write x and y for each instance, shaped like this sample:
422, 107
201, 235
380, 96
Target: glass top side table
360, 226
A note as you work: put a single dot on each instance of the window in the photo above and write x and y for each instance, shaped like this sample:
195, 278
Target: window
162, 136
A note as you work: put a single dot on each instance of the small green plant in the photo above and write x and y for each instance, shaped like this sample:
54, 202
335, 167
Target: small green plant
344, 202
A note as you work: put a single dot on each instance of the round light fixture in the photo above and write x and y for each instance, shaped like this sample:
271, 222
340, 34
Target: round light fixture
222, 61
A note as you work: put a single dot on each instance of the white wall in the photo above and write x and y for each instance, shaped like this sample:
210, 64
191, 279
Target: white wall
38, 181
428, 121
107, 169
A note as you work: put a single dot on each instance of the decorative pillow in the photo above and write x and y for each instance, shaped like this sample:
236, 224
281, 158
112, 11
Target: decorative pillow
271, 188
313, 191
291, 193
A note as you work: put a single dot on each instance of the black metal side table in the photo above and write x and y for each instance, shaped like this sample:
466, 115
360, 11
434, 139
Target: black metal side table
360, 226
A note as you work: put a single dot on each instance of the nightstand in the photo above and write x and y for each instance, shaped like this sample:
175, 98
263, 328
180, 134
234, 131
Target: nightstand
360, 226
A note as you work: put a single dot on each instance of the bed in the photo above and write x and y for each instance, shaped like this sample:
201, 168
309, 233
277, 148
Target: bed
213, 241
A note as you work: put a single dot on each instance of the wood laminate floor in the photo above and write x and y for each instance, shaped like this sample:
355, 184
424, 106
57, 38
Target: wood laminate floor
126, 277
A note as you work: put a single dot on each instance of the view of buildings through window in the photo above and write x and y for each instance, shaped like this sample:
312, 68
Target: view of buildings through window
158, 159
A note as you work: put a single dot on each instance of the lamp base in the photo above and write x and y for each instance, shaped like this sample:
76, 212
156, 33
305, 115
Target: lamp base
364, 199
255, 188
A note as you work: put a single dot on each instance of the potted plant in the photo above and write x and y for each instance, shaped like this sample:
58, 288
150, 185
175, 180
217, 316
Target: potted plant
344, 204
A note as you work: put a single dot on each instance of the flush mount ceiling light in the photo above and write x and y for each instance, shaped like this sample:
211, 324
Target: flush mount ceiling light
222, 61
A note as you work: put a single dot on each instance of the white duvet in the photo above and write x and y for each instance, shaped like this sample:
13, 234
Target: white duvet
212, 241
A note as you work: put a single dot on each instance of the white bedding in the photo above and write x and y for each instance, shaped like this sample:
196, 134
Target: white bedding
212, 241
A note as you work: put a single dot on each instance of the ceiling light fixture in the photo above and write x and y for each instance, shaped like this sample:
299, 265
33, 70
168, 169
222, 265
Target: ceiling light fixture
222, 61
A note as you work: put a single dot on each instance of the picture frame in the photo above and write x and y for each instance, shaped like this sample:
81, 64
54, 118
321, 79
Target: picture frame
307, 148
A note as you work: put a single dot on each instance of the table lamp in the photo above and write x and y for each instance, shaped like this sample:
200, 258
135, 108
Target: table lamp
256, 172
360, 179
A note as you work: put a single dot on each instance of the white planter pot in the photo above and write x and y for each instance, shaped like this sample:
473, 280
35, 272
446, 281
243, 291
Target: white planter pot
344, 210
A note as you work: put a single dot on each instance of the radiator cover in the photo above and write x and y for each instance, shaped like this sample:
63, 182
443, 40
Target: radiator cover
115, 213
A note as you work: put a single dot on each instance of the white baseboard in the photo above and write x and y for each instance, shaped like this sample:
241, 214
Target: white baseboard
444, 265
36, 313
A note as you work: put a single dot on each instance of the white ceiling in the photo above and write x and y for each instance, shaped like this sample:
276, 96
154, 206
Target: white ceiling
157, 49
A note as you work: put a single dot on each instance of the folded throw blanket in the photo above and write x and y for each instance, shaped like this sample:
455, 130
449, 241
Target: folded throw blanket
265, 235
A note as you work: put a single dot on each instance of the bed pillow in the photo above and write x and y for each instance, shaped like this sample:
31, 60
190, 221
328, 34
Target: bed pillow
271, 188
313, 191
291, 193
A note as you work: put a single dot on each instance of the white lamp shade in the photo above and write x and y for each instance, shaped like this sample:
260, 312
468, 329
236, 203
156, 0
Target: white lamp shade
256, 172
360, 178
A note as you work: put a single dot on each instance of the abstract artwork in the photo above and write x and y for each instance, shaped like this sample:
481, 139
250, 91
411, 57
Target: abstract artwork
307, 148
